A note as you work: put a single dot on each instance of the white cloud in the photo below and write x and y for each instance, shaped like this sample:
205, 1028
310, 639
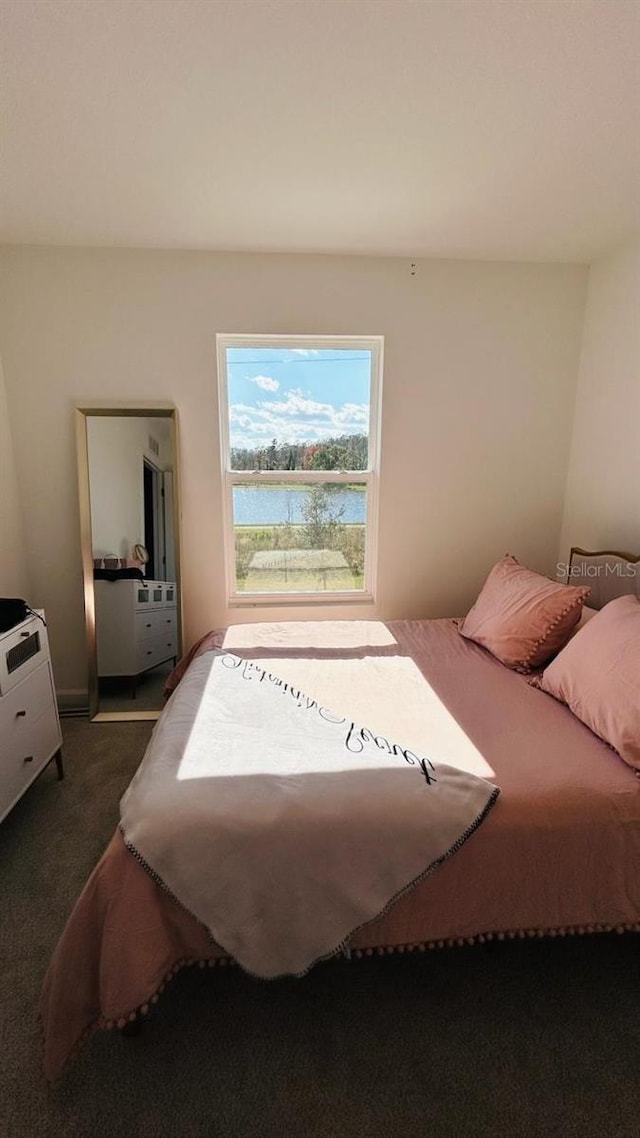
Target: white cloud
264, 381
296, 403
294, 419
305, 351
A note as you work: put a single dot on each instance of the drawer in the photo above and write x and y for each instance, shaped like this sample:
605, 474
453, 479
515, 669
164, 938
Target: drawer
155, 622
27, 700
149, 596
155, 650
23, 650
25, 753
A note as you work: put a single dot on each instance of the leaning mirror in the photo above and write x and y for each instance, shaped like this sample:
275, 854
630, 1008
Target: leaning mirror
128, 486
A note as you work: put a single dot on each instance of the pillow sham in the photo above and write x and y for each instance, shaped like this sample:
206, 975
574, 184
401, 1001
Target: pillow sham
598, 676
521, 617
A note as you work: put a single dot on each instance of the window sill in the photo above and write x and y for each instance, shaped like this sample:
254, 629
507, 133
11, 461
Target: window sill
298, 600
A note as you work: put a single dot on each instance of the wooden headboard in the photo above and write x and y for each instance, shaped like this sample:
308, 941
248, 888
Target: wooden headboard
608, 573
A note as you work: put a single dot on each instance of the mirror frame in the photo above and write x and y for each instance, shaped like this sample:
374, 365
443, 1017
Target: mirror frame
82, 414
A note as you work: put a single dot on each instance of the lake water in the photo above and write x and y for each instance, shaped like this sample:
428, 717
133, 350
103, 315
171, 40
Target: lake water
269, 505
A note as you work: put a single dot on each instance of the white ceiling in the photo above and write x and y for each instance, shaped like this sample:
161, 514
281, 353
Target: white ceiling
448, 128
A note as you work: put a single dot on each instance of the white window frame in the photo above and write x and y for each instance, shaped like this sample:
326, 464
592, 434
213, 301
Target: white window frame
370, 477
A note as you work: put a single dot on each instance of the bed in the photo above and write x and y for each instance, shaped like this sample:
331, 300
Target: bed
558, 855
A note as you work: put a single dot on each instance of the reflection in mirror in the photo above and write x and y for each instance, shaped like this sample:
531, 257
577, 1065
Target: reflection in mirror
128, 501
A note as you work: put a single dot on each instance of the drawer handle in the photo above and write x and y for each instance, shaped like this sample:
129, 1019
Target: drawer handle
28, 759
149, 652
20, 714
148, 625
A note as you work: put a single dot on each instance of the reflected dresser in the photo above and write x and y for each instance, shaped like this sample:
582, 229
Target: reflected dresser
136, 626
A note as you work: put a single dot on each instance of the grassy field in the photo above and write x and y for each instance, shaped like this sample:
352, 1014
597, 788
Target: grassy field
344, 538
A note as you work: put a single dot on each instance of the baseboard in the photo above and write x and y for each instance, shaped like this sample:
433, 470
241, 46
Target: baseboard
73, 702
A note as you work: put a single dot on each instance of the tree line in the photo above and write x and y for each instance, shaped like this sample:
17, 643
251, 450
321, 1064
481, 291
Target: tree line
343, 452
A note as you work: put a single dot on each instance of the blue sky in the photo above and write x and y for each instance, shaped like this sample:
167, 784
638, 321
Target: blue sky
296, 394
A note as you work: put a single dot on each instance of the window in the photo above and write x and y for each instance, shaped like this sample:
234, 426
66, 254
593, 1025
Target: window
299, 429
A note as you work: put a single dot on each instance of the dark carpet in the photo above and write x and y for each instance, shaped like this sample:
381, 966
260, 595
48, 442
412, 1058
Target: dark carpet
524, 1039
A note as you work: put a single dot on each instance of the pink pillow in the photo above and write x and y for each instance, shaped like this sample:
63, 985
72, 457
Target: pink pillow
521, 617
587, 615
598, 676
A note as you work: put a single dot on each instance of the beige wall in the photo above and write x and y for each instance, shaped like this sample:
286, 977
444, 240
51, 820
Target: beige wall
479, 385
14, 573
602, 505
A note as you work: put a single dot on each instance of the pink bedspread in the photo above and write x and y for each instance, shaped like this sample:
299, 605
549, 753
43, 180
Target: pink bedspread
560, 851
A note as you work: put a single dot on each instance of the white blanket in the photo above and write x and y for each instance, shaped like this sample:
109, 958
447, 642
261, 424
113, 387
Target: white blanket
280, 825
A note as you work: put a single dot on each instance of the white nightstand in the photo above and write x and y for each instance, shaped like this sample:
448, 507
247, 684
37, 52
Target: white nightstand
30, 735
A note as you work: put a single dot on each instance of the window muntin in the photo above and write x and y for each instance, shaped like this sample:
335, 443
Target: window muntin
299, 432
